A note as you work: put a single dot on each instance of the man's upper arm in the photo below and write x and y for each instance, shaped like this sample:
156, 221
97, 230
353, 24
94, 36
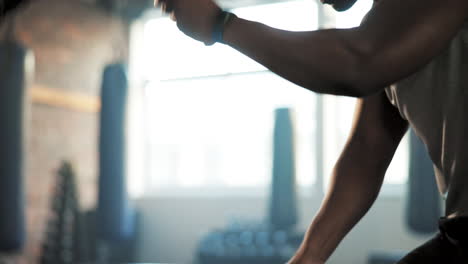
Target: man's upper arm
377, 128
400, 36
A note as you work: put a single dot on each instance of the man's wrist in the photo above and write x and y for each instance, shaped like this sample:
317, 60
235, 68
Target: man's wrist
222, 19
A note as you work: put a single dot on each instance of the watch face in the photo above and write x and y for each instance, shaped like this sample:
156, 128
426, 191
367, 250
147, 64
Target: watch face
6, 6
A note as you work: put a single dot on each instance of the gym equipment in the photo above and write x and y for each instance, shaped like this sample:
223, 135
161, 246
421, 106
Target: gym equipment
273, 242
424, 200
248, 244
115, 218
63, 234
283, 211
16, 64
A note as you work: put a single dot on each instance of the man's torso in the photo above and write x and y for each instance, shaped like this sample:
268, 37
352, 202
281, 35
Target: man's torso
435, 102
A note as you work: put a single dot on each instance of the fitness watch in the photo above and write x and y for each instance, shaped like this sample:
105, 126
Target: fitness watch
222, 19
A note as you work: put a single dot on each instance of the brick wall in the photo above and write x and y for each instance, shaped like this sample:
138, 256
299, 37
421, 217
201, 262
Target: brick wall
72, 41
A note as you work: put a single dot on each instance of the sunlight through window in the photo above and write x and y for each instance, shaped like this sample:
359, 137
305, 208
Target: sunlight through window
209, 110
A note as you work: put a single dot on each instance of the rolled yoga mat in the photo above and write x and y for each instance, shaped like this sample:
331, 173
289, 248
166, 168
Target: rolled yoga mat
115, 217
16, 66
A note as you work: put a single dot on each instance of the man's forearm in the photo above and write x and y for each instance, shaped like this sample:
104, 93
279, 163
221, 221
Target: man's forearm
322, 61
355, 184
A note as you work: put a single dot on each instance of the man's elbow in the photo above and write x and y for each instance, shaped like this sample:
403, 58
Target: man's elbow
363, 82
364, 76
359, 74
357, 82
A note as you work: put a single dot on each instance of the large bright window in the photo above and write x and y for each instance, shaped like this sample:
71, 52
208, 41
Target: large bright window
209, 111
218, 130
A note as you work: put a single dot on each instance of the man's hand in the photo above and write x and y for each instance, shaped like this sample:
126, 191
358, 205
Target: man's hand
195, 18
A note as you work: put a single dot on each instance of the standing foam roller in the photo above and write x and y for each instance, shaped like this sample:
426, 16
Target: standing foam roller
16, 67
283, 211
114, 215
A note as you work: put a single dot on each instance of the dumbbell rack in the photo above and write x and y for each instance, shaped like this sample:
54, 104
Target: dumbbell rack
248, 245
274, 241
59, 245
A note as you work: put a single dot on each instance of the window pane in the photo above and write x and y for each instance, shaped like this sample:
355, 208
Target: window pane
294, 15
338, 116
218, 131
169, 54
397, 172
353, 16
210, 110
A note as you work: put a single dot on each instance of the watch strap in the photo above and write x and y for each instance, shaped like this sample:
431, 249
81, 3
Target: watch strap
222, 19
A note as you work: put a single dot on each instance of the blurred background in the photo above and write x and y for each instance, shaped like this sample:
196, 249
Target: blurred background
137, 144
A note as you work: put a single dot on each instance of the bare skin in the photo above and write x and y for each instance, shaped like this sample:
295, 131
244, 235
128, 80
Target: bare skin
357, 177
357, 62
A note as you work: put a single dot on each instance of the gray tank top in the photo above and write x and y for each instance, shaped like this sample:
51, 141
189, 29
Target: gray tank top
434, 100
